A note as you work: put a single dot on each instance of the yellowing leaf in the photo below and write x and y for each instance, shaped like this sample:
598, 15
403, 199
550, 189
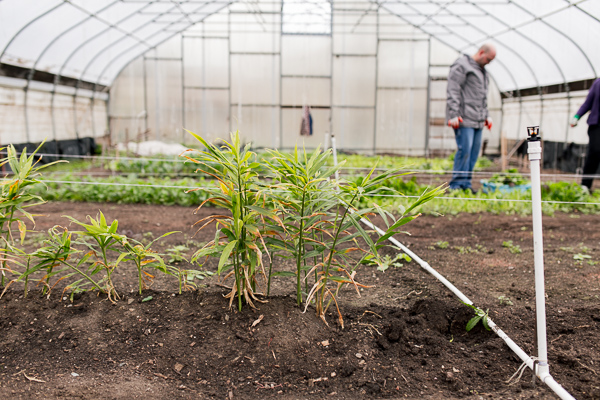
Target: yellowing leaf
22, 230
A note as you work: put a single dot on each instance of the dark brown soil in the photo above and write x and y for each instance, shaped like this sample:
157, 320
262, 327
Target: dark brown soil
404, 337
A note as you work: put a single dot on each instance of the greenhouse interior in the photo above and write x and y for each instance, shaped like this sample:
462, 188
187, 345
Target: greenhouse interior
299, 199
373, 74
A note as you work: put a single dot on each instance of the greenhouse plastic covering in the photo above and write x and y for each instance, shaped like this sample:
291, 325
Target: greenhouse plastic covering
373, 73
539, 42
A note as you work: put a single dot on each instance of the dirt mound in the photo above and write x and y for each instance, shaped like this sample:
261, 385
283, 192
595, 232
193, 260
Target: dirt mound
403, 338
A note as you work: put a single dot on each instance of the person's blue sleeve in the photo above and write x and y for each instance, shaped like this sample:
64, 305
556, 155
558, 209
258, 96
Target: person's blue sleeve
589, 100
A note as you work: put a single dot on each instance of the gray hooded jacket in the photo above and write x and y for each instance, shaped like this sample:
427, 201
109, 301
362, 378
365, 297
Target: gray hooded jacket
467, 92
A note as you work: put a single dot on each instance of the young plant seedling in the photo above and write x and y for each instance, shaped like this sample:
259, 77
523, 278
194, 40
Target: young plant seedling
579, 257
480, 315
505, 300
177, 253
14, 199
513, 248
386, 261
105, 239
55, 258
143, 257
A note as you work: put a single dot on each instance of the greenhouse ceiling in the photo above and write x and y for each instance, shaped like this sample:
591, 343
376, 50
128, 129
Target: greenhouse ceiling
83, 42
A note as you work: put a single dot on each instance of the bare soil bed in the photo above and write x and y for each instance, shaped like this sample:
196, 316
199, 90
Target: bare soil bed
404, 337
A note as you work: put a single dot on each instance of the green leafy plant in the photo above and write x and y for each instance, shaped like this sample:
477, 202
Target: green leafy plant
56, 259
580, 257
337, 267
511, 177
187, 277
304, 189
513, 248
442, 244
239, 240
480, 315
466, 249
104, 240
387, 261
15, 197
505, 300
177, 253
143, 257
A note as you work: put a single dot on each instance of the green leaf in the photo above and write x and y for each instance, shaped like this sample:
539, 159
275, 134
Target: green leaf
225, 255
484, 321
472, 322
283, 273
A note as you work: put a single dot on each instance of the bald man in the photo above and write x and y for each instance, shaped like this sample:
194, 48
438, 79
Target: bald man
467, 112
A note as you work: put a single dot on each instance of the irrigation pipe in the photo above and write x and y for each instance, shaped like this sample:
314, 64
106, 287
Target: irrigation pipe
542, 370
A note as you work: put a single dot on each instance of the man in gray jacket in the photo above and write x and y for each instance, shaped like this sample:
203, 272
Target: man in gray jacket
467, 112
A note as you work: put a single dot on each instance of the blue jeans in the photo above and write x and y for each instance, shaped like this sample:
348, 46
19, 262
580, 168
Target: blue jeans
468, 141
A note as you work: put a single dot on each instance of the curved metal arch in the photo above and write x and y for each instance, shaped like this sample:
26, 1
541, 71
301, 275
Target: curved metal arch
85, 42
61, 34
557, 30
102, 51
153, 34
93, 59
27, 26
509, 73
81, 45
48, 46
509, 28
156, 45
90, 16
499, 41
583, 11
497, 61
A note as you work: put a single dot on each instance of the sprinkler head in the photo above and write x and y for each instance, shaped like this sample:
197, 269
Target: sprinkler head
533, 134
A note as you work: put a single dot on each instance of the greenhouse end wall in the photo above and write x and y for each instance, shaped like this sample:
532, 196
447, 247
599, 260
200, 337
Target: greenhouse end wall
370, 81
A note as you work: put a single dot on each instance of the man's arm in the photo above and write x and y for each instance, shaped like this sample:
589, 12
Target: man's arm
456, 79
488, 120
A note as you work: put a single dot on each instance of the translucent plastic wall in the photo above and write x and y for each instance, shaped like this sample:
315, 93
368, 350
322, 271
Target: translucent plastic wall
48, 112
372, 80
551, 112
373, 73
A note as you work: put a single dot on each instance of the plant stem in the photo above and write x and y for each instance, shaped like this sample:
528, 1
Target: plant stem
93, 282
139, 268
270, 269
238, 279
180, 279
300, 252
332, 251
8, 236
26, 278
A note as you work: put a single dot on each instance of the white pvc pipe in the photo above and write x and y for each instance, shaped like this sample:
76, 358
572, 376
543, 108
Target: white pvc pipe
534, 150
326, 141
543, 374
422, 263
334, 149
